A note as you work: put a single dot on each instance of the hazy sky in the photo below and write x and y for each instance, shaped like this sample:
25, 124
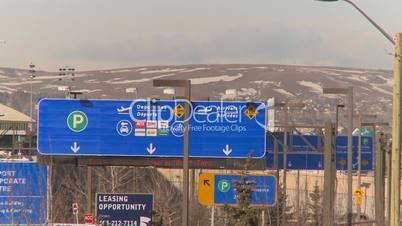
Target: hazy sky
99, 34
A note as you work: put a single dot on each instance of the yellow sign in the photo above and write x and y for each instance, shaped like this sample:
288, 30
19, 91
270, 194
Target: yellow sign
359, 196
179, 111
206, 185
251, 112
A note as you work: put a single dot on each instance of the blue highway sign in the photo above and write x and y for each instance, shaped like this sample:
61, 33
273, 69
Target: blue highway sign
150, 128
23, 193
305, 161
264, 192
124, 209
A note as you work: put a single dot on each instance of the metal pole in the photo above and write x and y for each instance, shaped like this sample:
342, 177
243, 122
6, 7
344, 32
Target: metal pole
285, 160
372, 22
277, 176
396, 135
187, 94
350, 154
89, 189
329, 180
298, 197
389, 169
359, 162
263, 218
213, 216
379, 179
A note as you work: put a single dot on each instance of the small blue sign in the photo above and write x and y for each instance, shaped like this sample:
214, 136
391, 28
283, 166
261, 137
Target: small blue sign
310, 143
150, 128
23, 193
124, 209
264, 192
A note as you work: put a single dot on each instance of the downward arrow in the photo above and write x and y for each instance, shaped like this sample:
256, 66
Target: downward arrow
227, 150
206, 182
75, 148
151, 149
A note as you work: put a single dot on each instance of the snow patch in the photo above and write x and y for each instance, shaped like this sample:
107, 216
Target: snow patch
195, 69
237, 69
222, 78
314, 87
266, 83
114, 82
282, 91
117, 71
161, 71
347, 71
19, 83
381, 90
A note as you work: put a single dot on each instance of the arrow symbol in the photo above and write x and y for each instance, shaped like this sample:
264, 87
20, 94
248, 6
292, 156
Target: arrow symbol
151, 149
75, 148
227, 150
290, 164
206, 182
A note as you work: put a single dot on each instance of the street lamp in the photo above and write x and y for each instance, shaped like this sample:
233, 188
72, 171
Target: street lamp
31, 77
349, 93
186, 84
64, 72
396, 118
367, 17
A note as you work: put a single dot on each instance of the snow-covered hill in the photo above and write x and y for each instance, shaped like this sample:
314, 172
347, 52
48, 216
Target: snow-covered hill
372, 88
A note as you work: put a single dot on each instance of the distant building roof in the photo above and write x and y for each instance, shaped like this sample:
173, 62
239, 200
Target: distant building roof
10, 114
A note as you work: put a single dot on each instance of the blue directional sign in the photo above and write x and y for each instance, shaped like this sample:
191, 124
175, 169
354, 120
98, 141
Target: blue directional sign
264, 192
310, 143
150, 128
124, 209
23, 193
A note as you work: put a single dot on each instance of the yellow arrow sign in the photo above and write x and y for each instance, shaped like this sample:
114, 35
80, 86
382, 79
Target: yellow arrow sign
206, 185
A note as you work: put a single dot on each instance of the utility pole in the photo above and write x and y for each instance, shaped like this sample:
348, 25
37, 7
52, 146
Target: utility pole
379, 179
396, 134
329, 176
186, 85
349, 93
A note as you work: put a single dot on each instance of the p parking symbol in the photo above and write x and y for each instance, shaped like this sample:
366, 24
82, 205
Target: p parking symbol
223, 185
77, 121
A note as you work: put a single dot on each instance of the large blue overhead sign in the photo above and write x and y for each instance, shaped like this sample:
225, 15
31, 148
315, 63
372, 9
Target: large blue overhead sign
146, 128
23, 193
124, 209
310, 143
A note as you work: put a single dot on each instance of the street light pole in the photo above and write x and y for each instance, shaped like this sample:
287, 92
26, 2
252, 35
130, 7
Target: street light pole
396, 118
396, 135
186, 84
349, 93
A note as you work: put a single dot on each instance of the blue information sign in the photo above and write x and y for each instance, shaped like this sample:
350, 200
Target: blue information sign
23, 193
147, 128
264, 192
309, 143
124, 209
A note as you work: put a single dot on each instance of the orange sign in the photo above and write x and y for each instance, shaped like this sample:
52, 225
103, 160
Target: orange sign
206, 185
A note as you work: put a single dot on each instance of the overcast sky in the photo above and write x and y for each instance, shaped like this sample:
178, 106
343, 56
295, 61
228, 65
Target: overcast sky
100, 34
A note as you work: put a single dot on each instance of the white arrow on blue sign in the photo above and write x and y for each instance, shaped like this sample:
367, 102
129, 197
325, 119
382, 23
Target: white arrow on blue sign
147, 128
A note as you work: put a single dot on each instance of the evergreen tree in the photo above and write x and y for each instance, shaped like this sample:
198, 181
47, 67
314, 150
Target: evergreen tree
243, 214
315, 206
280, 209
